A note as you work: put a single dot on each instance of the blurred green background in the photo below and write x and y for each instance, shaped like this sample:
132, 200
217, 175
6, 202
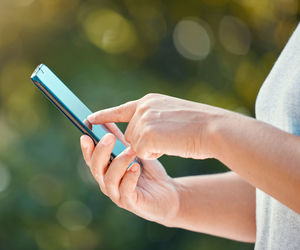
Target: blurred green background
108, 52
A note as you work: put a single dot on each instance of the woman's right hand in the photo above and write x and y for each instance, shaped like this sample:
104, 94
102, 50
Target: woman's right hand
160, 124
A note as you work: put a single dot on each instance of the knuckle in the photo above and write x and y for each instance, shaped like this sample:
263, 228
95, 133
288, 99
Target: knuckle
121, 204
124, 201
114, 198
149, 115
102, 189
147, 110
109, 189
148, 132
150, 95
108, 181
142, 108
144, 118
153, 114
110, 192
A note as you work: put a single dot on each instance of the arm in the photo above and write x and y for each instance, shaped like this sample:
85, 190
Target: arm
220, 204
261, 154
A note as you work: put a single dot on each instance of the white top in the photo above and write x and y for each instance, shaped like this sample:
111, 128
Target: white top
278, 103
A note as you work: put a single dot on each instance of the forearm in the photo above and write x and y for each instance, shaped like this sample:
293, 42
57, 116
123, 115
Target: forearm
220, 204
263, 155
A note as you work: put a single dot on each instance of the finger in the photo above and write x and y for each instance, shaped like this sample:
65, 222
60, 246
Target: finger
115, 173
87, 148
128, 194
131, 127
122, 113
101, 157
133, 132
112, 127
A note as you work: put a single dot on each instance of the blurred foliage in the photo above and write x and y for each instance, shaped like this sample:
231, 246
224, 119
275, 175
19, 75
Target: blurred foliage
212, 51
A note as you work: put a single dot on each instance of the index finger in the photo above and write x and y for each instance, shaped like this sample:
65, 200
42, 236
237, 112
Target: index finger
122, 113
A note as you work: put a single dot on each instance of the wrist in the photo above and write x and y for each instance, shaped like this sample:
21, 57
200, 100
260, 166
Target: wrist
215, 129
173, 219
209, 123
219, 130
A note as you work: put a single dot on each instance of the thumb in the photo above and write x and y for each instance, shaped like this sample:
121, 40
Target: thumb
122, 113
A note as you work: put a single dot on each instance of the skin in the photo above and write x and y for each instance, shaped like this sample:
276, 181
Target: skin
258, 154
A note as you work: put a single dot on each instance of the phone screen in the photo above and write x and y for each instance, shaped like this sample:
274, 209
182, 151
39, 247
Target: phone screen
70, 105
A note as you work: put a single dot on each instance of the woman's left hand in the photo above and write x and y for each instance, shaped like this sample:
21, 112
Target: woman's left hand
151, 195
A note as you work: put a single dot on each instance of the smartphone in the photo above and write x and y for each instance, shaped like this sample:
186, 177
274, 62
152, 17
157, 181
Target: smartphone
71, 106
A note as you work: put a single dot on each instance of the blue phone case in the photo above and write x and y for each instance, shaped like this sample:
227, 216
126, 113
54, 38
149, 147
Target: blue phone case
70, 105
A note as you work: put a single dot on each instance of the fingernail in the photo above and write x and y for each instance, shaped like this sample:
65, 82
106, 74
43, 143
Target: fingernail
134, 168
83, 142
91, 118
107, 140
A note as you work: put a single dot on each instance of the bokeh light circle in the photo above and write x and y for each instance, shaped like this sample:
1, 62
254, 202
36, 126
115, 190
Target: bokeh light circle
74, 215
110, 31
191, 39
22, 3
234, 35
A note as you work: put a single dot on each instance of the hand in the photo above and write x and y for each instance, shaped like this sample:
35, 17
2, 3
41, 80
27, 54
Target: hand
152, 195
160, 124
